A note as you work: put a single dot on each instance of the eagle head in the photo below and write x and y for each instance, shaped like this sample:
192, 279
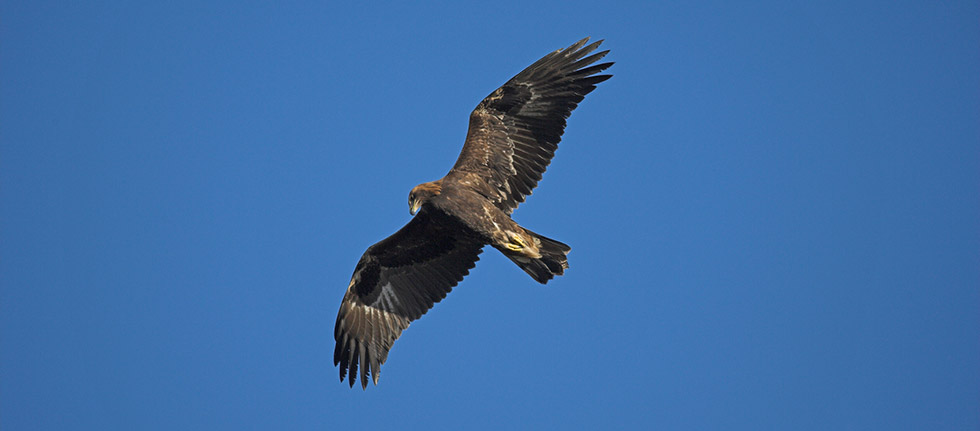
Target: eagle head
422, 193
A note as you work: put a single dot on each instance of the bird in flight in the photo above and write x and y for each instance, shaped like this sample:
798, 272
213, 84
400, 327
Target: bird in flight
512, 136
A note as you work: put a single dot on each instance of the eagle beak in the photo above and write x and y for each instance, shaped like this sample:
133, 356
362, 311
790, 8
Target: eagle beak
414, 207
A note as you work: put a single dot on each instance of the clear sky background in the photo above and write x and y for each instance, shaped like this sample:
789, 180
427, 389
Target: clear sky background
774, 210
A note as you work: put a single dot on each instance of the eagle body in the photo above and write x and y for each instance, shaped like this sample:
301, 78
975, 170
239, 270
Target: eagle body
541, 257
512, 137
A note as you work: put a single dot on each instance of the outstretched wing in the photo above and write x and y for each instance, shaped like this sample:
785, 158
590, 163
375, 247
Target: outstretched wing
514, 132
396, 281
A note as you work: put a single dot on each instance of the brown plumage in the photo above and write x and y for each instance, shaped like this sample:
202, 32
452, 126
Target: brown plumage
513, 135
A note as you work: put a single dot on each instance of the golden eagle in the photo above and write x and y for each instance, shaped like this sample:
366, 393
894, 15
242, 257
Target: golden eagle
513, 135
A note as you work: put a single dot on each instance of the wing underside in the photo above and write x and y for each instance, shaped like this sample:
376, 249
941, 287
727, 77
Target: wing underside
514, 132
397, 281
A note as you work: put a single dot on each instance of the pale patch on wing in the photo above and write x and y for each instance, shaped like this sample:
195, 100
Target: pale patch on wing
387, 300
486, 210
364, 335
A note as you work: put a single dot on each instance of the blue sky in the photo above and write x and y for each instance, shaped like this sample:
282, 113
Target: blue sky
773, 209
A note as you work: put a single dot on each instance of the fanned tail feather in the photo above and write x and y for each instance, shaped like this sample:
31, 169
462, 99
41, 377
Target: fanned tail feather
553, 260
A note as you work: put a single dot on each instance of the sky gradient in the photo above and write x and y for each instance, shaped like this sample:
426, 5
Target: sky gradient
773, 211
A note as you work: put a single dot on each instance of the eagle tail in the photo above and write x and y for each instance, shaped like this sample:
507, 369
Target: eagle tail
553, 260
